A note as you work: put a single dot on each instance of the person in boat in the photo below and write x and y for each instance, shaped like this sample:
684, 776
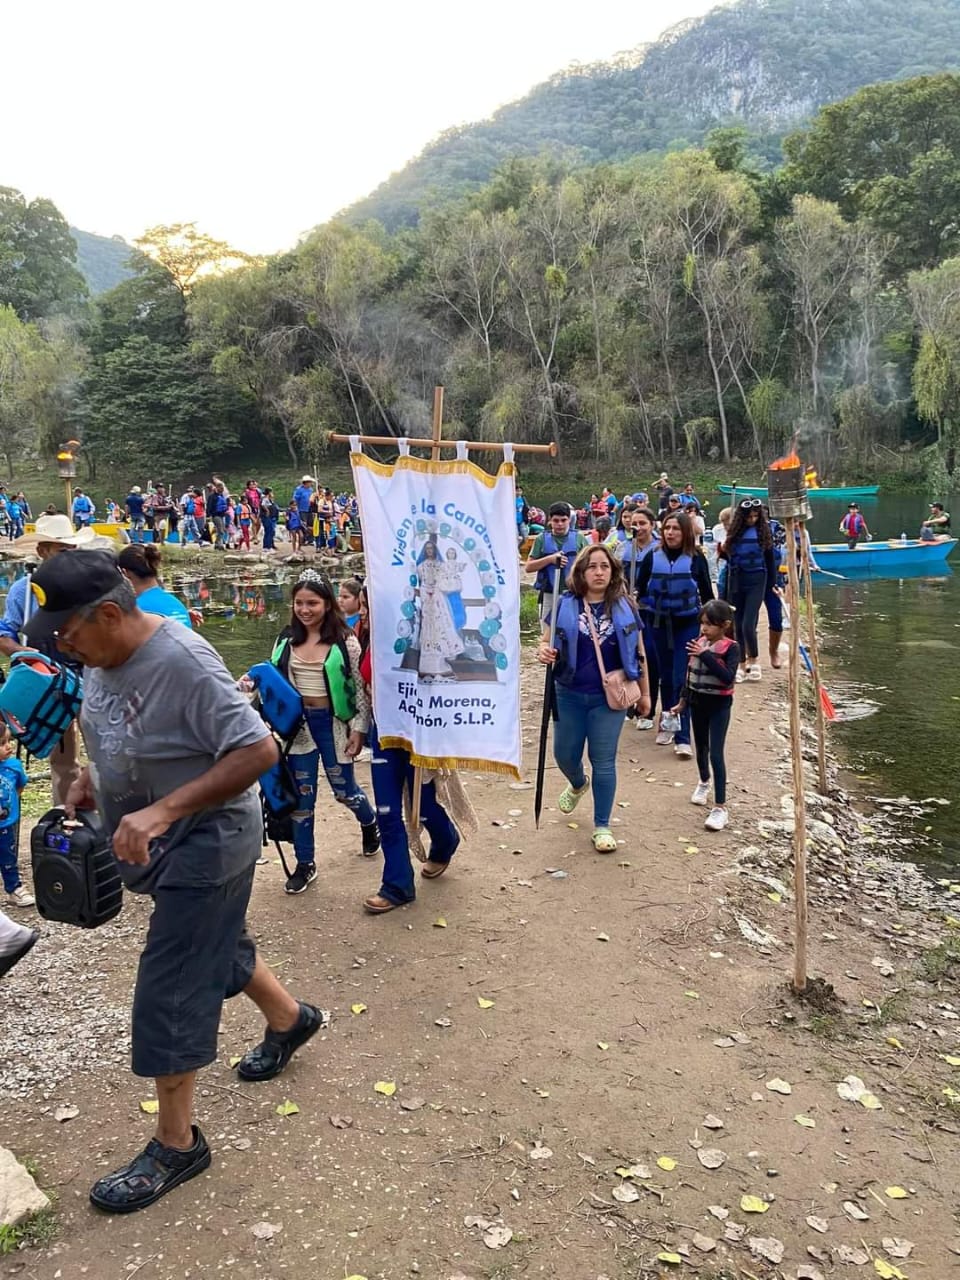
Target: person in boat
854, 527
938, 524
748, 551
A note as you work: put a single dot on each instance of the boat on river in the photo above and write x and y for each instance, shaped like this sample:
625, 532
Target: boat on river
843, 493
910, 556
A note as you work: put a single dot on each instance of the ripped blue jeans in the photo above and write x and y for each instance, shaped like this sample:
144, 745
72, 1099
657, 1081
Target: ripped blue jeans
343, 784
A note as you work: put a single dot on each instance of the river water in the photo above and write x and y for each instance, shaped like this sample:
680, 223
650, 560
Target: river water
890, 654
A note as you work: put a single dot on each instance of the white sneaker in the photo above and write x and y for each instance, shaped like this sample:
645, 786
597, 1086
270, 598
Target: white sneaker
716, 818
700, 793
683, 750
21, 898
739, 675
644, 723
663, 739
754, 673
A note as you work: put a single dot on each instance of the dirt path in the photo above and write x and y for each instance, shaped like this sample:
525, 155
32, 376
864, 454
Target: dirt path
630, 1024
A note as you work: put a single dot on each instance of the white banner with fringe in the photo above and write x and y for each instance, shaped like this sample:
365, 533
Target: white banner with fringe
440, 542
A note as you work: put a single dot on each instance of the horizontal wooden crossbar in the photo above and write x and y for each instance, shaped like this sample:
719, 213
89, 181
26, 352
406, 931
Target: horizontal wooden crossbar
473, 446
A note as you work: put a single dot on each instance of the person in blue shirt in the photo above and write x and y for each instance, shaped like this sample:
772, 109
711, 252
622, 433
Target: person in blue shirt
140, 565
54, 534
303, 496
15, 516
13, 778
83, 509
688, 498
135, 511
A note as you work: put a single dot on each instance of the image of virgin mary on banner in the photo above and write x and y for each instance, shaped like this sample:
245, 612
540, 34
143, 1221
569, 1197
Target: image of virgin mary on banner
440, 544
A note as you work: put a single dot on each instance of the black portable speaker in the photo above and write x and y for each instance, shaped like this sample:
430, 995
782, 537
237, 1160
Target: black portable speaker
75, 877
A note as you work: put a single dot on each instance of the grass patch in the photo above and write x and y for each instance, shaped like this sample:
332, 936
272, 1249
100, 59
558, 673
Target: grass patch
827, 1026
34, 1232
894, 1008
529, 611
940, 961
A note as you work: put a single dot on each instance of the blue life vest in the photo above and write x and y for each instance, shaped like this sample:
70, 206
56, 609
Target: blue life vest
544, 578
280, 703
625, 624
39, 701
746, 555
673, 589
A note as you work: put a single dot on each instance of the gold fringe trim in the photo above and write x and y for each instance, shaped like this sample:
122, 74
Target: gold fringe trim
424, 467
450, 762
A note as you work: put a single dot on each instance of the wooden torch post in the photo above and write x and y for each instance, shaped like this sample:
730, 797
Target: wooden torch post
814, 660
796, 752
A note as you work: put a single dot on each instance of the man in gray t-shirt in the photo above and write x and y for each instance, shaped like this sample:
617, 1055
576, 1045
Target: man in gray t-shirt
175, 751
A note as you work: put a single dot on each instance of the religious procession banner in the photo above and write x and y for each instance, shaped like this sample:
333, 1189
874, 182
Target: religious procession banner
440, 541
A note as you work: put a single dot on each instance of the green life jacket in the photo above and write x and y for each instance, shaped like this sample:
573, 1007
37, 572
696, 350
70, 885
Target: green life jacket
341, 683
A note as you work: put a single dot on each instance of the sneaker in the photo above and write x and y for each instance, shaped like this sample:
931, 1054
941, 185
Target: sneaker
19, 897
643, 722
754, 673
371, 839
683, 750
663, 739
700, 793
739, 675
570, 796
16, 947
276, 1049
716, 818
305, 873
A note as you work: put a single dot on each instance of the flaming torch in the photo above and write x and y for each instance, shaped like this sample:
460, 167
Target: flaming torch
67, 468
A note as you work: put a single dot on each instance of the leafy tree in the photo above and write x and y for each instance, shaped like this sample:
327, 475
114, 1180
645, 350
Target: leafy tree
38, 275
188, 254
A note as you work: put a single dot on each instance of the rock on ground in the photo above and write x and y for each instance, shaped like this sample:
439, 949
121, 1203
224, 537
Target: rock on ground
19, 1194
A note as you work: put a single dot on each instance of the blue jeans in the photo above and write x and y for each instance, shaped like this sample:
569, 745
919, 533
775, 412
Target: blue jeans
672, 659
585, 719
269, 533
391, 772
343, 784
9, 867
189, 529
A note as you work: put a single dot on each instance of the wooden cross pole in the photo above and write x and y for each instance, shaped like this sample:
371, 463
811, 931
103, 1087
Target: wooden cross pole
796, 753
435, 443
814, 659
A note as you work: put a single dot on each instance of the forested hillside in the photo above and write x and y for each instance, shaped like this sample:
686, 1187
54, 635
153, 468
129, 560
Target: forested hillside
766, 64
102, 260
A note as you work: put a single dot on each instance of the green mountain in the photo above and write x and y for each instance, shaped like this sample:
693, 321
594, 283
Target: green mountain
102, 259
765, 64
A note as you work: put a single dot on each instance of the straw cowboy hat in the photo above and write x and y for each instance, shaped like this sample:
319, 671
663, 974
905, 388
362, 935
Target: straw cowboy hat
59, 530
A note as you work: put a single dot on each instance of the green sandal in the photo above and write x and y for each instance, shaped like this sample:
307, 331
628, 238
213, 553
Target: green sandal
604, 841
570, 797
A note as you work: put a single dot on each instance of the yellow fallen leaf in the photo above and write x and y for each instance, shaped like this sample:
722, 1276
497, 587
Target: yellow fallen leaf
952, 921
602, 1044
359, 1007
806, 1121
896, 1193
894, 1042
692, 995
886, 1270
775, 897
574, 826
150, 1105
386, 1087
288, 1108
234, 1059
356, 1278
673, 1259
951, 1094
950, 1059
667, 1163
753, 1204
691, 848
870, 1101
439, 923
542, 1093
484, 1003
776, 1085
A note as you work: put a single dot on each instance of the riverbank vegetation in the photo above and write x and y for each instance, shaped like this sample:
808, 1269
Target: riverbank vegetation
686, 306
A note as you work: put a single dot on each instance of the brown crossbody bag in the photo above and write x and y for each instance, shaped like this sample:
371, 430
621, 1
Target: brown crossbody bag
621, 693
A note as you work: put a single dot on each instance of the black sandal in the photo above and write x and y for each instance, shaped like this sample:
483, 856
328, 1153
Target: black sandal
276, 1048
150, 1175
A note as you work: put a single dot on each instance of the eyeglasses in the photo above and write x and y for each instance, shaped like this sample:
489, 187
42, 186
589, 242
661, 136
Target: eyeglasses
748, 504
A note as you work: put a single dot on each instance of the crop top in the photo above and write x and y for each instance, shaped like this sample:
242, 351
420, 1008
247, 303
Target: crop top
308, 677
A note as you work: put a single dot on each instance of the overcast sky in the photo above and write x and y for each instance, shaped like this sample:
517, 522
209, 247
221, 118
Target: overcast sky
258, 121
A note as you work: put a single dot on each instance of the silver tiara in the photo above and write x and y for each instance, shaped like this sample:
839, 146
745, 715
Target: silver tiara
311, 575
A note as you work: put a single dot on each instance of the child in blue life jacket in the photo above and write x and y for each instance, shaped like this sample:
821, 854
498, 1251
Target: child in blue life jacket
294, 526
13, 779
708, 695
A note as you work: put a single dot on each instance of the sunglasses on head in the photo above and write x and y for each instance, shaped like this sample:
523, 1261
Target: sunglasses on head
749, 503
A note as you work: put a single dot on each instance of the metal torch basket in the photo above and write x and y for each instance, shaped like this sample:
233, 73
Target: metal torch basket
787, 494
